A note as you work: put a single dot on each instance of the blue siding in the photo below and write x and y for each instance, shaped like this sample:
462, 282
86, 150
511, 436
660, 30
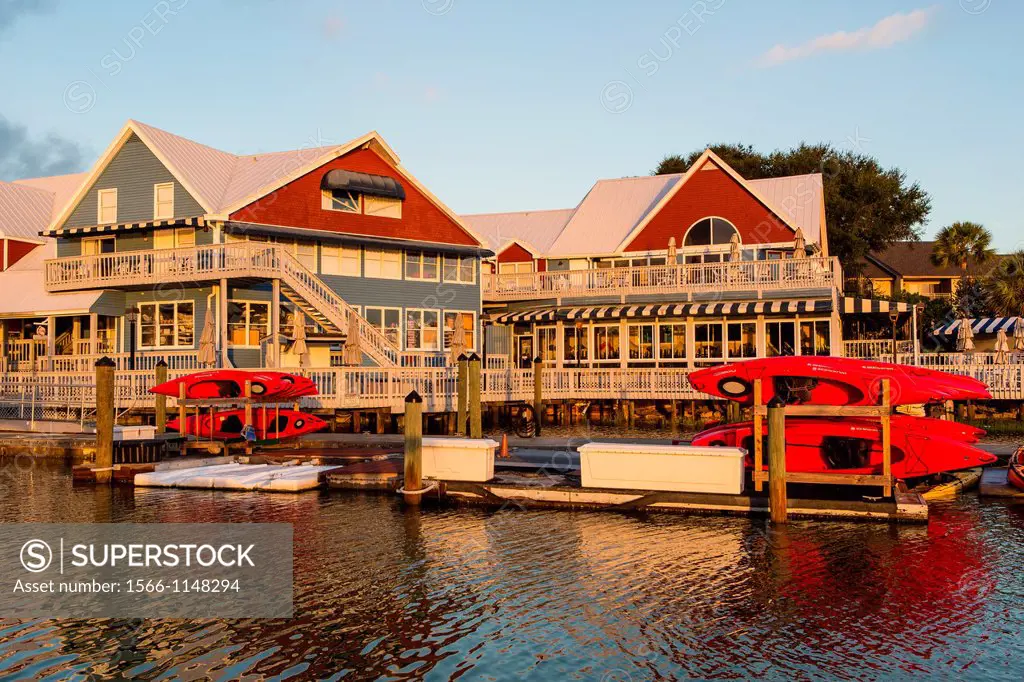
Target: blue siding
133, 240
133, 171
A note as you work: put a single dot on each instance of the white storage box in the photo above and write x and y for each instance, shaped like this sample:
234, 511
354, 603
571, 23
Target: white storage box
134, 433
677, 468
459, 459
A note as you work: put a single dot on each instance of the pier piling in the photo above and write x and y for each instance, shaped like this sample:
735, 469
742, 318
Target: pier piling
777, 501
462, 395
104, 420
413, 482
475, 418
538, 393
161, 400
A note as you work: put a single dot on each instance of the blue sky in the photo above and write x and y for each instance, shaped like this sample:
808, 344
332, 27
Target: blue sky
501, 105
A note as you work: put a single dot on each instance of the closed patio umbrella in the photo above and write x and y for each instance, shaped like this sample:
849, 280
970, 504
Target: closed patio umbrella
1002, 347
799, 244
734, 248
353, 354
458, 346
671, 260
1018, 334
965, 337
299, 346
207, 344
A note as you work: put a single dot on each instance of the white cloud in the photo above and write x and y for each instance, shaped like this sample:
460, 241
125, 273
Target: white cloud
893, 29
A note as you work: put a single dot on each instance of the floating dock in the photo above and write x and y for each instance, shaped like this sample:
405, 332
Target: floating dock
235, 476
994, 484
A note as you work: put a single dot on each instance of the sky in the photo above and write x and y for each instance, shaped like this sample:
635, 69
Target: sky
503, 106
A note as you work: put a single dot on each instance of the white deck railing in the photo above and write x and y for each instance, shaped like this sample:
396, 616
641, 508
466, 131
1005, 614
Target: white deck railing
876, 348
756, 276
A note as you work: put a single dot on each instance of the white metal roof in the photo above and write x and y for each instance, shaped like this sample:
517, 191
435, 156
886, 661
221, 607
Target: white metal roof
535, 230
27, 206
25, 294
800, 198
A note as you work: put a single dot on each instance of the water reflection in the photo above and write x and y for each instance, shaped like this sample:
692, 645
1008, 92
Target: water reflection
465, 593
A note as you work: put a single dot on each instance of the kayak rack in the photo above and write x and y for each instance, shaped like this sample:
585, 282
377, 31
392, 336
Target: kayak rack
245, 401
881, 412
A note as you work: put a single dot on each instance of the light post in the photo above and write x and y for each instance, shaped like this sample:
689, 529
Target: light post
132, 316
894, 317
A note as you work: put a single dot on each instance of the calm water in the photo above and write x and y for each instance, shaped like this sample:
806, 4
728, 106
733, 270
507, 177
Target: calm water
443, 594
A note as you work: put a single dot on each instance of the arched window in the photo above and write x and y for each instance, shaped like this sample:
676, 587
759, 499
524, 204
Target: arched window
710, 232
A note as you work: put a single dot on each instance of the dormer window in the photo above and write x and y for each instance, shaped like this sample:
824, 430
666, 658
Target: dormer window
106, 206
372, 195
163, 201
343, 200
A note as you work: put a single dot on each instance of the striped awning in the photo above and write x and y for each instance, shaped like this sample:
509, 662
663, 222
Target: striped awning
124, 227
869, 305
613, 312
980, 325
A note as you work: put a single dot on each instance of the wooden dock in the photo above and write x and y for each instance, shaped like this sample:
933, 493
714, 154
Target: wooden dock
994, 484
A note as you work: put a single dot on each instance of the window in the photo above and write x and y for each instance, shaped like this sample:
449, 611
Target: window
574, 341
340, 260
781, 338
468, 325
814, 338
383, 207
174, 238
524, 271
606, 343
248, 323
742, 340
388, 321
547, 339
672, 341
420, 265
304, 252
97, 246
641, 342
422, 330
167, 325
708, 340
460, 269
107, 206
341, 200
163, 201
383, 263
710, 232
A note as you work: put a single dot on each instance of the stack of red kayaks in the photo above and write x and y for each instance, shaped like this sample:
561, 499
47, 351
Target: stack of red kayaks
268, 386
920, 446
269, 424
1015, 474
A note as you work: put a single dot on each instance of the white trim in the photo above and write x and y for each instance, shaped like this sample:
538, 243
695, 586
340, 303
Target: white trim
156, 200
439, 329
712, 218
366, 261
384, 309
459, 258
248, 321
422, 264
519, 242
100, 193
476, 328
156, 324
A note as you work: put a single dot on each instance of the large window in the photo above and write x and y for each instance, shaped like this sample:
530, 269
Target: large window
341, 200
814, 338
174, 238
420, 265
742, 340
163, 201
167, 325
461, 269
387, 321
547, 340
523, 272
304, 252
422, 330
383, 263
781, 338
606, 343
340, 260
708, 340
106, 206
641, 341
710, 232
98, 245
574, 341
672, 341
248, 322
451, 318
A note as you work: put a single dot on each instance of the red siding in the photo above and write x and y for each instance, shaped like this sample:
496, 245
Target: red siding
16, 251
514, 254
298, 204
711, 193
542, 265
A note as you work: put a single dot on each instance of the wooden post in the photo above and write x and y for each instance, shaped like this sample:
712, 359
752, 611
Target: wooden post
887, 437
758, 438
475, 423
674, 417
248, 414
538, 393
222, 321
462, 395
777, 461
274, 349
104, 419
182, 411
413, 449
161, 400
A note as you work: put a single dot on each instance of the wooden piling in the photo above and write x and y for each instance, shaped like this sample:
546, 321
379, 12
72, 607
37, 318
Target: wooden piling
104, 420
674, 417
777, 503
413, 482
161, 400
248, 415
538, 393
462, 395
475, 420
182, 411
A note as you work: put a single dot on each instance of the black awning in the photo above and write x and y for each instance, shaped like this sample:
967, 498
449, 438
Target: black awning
364, 183
599, 312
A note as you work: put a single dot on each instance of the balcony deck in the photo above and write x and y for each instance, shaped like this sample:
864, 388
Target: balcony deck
749, 278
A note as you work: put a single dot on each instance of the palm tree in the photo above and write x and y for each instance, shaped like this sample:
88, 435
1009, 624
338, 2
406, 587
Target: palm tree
959, 244
1004, 286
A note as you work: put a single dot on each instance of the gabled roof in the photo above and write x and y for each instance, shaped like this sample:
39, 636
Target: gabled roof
27, 206
914, 259
614, 211
535, 231
223, 182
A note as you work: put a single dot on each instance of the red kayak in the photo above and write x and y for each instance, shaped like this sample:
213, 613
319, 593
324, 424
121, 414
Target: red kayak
269, 424
854, 446
1015, 473
834, 381
230, 383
